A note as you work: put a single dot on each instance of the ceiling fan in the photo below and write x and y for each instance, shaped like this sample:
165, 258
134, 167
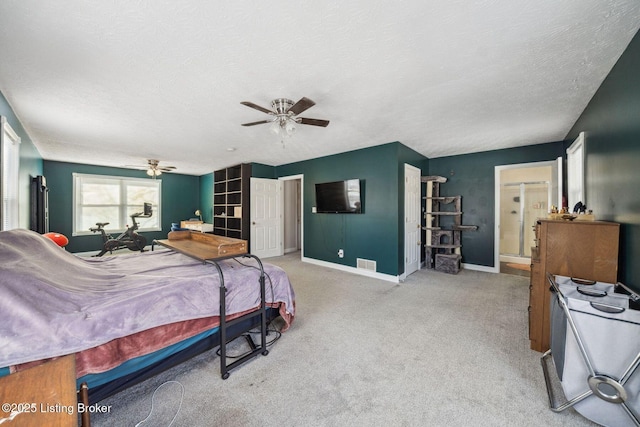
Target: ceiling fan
154, 169
285, 115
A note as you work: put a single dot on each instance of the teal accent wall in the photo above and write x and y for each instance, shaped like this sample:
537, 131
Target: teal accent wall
30, 162
258, 170
611, 123
180, 199
473, 177
206, 197
374, 234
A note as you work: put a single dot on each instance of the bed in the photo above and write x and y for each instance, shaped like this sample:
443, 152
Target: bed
125, 317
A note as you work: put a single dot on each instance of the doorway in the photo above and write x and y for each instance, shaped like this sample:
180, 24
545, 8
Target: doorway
292, 214
521, 204
524, 193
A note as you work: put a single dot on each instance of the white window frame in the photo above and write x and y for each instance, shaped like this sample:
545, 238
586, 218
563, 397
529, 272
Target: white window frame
122, 181
576, 187
10, 180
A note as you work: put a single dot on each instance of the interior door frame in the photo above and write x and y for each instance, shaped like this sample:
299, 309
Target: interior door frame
282, 218
557, 183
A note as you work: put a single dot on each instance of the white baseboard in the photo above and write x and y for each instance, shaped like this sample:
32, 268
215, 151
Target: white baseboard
387, 277
480, 268
360, 271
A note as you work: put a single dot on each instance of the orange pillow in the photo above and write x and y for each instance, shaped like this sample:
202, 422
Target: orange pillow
59, 239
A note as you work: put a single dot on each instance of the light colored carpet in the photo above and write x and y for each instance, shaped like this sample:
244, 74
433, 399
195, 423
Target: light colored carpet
437, 350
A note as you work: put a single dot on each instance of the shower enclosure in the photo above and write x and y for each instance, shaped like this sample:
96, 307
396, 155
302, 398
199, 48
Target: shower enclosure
521, 204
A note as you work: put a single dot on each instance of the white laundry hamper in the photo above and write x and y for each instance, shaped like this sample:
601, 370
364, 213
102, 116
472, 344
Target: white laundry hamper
595, 348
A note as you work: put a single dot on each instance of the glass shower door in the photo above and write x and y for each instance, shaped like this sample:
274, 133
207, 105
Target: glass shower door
510, 219
521, 205
536, 205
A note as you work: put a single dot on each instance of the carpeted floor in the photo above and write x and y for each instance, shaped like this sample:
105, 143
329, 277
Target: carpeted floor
437, 350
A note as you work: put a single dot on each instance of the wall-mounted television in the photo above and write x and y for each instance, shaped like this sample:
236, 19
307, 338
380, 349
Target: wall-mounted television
339, 197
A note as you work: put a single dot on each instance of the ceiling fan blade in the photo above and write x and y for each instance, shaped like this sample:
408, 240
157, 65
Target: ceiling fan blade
257, 107
257, 123
314, 122
300, 106
166, 168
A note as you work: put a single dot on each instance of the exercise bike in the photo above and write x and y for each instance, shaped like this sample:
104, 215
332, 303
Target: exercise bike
129, 238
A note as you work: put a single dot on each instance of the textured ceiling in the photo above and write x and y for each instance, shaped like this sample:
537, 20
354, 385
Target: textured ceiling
117, 82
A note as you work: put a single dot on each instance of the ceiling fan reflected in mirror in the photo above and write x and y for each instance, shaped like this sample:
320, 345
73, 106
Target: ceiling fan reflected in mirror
154, 169
285, 116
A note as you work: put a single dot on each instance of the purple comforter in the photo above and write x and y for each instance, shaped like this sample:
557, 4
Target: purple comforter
54, 303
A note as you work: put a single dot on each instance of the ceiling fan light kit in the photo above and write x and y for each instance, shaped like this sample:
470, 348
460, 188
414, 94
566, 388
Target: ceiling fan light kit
283, 127
153, 168
285, 112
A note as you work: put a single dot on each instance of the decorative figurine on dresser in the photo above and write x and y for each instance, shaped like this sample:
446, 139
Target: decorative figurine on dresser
443, 248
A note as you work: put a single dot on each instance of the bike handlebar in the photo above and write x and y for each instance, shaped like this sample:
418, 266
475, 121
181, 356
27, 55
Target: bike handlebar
140, 215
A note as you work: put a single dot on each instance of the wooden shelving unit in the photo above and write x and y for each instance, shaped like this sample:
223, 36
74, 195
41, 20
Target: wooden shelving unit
231, 201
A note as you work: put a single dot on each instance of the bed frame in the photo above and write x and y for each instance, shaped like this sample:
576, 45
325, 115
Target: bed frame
209, 249
100, 392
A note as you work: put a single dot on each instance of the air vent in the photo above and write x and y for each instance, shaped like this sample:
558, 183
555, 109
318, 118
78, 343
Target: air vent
366, 264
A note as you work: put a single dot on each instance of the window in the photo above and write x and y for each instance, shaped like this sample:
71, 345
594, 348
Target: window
112, 199
10, 155
575, 172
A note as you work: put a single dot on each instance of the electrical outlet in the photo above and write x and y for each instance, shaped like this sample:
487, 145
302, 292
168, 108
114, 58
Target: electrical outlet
340, 253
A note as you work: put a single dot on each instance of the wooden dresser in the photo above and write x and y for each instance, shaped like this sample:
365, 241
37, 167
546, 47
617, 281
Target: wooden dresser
580, 249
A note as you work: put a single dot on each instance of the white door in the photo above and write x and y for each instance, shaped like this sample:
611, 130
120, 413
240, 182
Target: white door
266, 217
412, 219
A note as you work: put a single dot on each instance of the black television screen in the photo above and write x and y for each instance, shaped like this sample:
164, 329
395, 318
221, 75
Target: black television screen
339, 197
